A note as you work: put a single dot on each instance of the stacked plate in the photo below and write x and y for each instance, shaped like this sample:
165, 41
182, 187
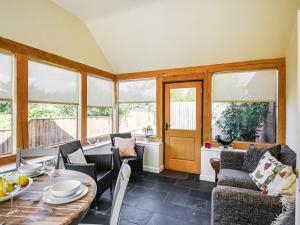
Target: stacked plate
64, 192
31, 170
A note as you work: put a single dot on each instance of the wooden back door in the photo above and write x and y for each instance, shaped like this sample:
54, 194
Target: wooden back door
183, 118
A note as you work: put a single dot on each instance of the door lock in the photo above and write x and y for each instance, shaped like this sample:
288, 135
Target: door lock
167, 126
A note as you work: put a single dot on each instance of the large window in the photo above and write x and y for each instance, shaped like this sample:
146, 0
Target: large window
244, 106
137, 106
6, 77
100, 109
53, 104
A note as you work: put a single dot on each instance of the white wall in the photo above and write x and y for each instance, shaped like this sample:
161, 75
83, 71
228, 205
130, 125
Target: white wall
44, 25
291, 91
298, 124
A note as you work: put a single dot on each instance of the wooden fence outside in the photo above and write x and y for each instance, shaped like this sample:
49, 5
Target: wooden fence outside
6, 142
183, 115
47, 132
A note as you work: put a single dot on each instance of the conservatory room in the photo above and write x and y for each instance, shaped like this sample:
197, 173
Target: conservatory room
149, 112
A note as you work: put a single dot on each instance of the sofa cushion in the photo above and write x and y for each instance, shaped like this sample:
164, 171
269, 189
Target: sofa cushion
236, 178
287, 156
126, 146
254, 154
77, 157
266, 171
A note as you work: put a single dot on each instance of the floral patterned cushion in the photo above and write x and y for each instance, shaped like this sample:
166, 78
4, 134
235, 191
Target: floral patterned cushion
266, 171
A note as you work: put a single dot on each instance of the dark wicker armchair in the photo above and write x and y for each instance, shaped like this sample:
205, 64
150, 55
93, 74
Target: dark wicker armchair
136, 163
99, 167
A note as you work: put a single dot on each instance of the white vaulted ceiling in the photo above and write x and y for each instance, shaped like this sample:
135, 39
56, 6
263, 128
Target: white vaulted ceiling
141, 35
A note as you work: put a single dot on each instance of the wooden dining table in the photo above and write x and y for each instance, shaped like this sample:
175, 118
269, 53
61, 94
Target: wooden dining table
34, 211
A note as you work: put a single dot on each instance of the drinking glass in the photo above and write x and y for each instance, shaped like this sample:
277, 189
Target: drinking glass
11, 187
49, 168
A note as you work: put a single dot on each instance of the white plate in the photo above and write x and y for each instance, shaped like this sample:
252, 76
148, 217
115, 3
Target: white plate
49, 198
30, 168
32, 175
18, 192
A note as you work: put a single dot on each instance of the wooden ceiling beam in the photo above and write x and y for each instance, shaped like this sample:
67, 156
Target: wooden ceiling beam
235, 66
41, 55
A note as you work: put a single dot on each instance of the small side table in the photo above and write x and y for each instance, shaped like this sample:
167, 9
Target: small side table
215, 163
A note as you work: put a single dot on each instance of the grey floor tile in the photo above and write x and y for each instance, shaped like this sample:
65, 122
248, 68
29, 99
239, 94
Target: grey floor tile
204, 195
135, 215
158, 219
155, 200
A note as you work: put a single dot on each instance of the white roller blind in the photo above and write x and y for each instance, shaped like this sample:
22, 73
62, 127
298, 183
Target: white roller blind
137, 91
47, 83
245, 86
100, 92
6, 72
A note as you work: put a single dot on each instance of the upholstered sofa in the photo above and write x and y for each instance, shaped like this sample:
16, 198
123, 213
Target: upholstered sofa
236, 200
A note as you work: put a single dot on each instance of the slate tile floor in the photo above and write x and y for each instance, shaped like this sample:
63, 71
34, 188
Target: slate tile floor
151, 199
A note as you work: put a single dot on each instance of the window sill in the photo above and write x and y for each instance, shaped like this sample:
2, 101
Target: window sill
96, 145
7, 159
242, 145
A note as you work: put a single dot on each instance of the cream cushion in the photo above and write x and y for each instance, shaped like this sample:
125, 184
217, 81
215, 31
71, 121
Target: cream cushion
77, 157
125, 146
284, 183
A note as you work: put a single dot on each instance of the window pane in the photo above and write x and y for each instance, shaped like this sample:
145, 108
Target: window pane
6, 70
6, 75
6, 127
99, 92
99, 123
50, 84
134, 117
51, 124
183, 108
137, 91
245, 121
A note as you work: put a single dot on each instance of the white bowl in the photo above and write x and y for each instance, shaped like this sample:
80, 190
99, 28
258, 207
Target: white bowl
30, 168
65, 188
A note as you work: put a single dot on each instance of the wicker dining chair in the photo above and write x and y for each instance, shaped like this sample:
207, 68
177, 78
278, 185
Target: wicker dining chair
99, 166
135, 163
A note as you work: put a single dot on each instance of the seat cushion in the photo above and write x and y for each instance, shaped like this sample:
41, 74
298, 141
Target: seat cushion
135, 163
236, 178
254, 154
130, 158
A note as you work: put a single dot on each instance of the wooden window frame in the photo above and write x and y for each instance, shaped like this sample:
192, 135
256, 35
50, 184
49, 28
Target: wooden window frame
22, 54
204, 73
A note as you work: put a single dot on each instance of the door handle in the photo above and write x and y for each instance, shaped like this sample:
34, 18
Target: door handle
167, 126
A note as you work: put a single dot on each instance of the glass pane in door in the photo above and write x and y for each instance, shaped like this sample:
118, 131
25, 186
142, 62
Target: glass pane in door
183, 108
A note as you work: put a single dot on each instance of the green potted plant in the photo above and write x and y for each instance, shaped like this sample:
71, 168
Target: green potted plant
148, 131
